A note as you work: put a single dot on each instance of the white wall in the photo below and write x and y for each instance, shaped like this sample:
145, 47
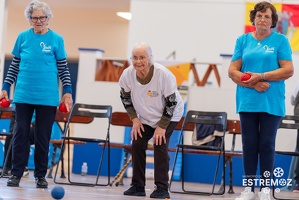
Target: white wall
200, 29
3, 17
194, 29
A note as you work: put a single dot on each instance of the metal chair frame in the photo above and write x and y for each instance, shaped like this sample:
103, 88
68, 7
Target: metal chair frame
86, 111
206, 118
56, 146
287, 122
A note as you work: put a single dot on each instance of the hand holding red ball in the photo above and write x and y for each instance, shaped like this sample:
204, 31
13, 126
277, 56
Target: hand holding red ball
4, 103
62, 108
245, 76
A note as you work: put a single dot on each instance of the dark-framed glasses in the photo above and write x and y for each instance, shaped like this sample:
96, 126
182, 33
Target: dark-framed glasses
41, 19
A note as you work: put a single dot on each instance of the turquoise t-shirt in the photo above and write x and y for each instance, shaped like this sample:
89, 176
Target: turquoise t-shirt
260, 57
37, 81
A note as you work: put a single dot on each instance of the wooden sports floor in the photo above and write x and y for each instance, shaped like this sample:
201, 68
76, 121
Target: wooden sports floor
27, 190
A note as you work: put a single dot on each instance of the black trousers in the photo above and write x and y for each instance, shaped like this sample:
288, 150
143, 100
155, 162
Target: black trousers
8, 139
44, 119
161, 158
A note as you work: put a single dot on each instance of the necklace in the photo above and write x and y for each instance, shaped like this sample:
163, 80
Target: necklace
259, 41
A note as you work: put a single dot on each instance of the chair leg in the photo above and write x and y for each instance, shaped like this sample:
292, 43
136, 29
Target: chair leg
6, 158
222, 187
52, 162
69, 178
231, 190
220, 163
173, 168
62, 175
101, 161
183, 173
59, 160
216, 173
56, 146
274, 192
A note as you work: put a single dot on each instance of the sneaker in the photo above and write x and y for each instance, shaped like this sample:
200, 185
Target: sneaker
135, 191
247, 194
41, 182
160, 193
6, 173
13, 181
296, 188
264, 194
26, 172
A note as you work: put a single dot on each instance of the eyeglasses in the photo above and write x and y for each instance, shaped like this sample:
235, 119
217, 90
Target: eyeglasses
266, 17
41, 19
141, 58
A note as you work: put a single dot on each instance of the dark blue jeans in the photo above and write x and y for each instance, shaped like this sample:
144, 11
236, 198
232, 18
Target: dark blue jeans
258, 141
44, 119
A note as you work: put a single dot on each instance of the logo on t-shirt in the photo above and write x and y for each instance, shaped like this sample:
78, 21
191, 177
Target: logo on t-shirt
45, 48
268, 49
152, 93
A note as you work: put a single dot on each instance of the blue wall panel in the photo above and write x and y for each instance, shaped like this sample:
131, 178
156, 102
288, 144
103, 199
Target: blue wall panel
90, 153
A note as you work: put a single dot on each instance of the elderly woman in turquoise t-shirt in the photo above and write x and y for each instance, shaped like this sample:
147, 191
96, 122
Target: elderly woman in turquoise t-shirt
39, 60
266, 56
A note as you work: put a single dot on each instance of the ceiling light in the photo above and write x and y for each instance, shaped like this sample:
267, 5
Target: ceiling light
125, 15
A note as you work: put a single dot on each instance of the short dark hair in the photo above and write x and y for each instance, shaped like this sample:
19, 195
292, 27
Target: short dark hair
262, 7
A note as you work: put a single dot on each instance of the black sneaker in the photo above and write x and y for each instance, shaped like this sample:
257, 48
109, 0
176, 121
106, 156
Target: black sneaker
6, 173
160, 193
41, 182
13, 181
135, 191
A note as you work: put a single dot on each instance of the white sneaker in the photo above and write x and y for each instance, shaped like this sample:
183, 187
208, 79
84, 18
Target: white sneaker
264, 194
26, 172
247, 194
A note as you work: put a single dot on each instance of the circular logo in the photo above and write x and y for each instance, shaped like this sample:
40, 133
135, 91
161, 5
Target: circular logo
267, 174
282, 182
277, 190
266, 190
278, 172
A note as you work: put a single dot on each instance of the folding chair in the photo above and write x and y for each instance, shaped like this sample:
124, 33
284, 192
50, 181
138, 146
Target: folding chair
56, 147
63, 118
204, 118
7, 113
87, 111
287, 122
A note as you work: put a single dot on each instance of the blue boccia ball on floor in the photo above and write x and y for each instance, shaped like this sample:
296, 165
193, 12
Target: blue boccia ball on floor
57, 192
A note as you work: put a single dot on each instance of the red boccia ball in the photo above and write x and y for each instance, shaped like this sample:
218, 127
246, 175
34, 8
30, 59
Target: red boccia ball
245, 77
62, 108
4, 103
